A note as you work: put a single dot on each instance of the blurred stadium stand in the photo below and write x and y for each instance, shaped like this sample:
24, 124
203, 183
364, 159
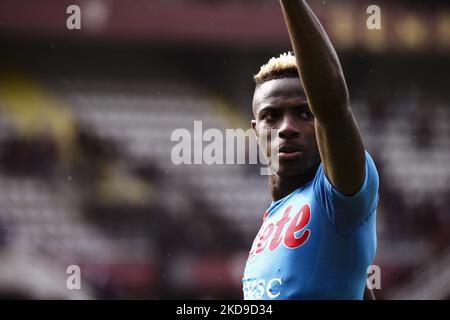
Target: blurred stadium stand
86, 118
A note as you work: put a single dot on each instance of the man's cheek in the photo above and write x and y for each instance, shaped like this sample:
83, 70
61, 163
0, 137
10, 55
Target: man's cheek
265, 141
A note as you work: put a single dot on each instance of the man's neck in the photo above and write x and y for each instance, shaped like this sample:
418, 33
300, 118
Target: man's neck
281, 186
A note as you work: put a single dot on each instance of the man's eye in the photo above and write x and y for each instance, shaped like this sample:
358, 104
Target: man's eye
307, 115
270, 116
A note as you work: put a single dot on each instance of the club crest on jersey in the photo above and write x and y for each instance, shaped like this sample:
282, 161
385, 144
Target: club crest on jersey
286, 231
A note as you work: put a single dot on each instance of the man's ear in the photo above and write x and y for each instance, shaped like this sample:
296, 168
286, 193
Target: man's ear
254, 128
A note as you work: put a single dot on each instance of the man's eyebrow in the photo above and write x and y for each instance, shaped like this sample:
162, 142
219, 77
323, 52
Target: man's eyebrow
268, 108
302, 106
272, 107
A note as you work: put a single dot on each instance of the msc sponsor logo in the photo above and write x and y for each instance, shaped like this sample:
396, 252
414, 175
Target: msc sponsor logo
255, 290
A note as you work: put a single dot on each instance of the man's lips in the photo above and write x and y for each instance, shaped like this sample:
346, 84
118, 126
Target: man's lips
290, 151
290, 156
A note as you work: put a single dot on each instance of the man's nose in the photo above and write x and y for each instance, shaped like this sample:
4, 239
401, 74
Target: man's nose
288, 129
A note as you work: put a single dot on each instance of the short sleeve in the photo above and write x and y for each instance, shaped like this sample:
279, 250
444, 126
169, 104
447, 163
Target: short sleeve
348, 213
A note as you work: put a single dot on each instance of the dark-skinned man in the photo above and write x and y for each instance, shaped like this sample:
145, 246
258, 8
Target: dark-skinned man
318, 237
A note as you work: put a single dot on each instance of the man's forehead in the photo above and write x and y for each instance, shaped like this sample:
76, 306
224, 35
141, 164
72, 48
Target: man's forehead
278, 91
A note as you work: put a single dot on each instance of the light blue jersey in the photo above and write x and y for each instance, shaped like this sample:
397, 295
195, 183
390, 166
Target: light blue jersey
315, 243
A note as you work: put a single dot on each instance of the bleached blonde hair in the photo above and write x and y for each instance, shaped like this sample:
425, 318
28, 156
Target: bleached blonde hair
283, 66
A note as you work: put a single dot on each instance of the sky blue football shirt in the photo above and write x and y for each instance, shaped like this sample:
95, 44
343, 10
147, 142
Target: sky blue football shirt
315, 243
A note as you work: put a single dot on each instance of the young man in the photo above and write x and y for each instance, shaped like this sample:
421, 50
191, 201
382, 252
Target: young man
318, 237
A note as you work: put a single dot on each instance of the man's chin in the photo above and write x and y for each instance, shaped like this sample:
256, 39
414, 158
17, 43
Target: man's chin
297, 168
286, 168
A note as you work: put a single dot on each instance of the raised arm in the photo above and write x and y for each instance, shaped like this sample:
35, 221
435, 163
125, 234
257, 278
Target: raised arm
338, 137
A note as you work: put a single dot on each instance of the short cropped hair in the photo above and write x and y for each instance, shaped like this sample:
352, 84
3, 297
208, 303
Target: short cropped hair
285, 66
